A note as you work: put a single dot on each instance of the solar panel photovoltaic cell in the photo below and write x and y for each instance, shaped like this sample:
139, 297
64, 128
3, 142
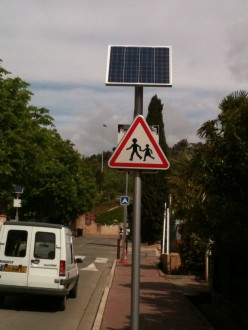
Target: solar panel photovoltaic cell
132, 65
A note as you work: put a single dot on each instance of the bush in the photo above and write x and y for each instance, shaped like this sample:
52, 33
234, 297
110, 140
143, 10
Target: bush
111, 217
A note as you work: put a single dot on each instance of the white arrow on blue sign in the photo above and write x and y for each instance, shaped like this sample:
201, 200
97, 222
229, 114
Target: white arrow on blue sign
124, 200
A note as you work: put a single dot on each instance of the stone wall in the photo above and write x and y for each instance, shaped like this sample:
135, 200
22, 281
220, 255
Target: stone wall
171, 262
90, 228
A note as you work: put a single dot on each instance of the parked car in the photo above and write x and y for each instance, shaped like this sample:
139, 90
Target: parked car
38, 258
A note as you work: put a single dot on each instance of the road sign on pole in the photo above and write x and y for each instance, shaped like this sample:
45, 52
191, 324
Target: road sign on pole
138, 149
124, 200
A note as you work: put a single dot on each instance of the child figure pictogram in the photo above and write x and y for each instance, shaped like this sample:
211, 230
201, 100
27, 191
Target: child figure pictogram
135, 148
148, 152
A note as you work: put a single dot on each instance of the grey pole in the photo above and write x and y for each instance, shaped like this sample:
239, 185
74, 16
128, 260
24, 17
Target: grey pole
124, 234
103, 126
138, 110
164, 226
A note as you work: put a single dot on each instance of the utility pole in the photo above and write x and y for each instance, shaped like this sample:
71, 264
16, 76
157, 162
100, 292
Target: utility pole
103, 126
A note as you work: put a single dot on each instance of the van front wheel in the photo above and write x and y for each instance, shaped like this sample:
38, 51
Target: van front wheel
62, 303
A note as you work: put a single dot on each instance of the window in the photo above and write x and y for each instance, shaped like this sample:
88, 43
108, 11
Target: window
69, 250
44, 245
16, 244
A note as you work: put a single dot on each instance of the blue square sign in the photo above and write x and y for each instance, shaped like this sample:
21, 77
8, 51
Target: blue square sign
124, 200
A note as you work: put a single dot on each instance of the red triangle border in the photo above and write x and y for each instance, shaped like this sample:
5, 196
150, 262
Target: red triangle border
139, 120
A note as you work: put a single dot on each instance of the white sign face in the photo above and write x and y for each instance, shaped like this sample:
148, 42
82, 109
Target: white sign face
17, 202
138, 149
123, 128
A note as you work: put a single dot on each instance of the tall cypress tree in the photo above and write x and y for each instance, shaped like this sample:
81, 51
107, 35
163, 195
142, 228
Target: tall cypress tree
154, 186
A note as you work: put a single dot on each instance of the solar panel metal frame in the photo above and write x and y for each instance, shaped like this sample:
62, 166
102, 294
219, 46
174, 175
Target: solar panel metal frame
130, 69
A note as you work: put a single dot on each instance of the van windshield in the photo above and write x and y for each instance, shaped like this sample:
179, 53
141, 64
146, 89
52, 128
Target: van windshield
44, 247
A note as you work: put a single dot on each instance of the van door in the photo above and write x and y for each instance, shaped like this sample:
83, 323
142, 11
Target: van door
44, 257
15, 255
71, 266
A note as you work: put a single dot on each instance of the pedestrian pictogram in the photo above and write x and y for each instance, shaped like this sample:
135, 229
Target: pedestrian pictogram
124, 200
135, 147
138, 149
148, 152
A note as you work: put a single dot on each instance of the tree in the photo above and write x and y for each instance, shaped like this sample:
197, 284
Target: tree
110, 182
58, 185
21, 126
220, 167
187, 197
65, 190
154, 186
224, 158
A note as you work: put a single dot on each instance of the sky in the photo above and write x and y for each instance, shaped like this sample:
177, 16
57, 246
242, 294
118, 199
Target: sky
60, 48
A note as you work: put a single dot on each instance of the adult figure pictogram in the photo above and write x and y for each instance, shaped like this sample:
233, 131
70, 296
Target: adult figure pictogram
148, 152
135, 148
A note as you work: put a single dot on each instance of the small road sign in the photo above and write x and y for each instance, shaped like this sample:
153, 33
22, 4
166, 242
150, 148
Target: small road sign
17, 202
124, 200
138, 149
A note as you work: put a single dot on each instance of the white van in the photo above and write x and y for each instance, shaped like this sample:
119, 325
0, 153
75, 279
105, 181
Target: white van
37, 258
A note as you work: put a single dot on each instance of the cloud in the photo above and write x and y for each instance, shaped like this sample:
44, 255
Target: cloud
60, 48
238, 51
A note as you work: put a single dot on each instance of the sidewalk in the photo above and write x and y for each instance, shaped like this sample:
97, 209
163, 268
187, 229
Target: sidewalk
163, 305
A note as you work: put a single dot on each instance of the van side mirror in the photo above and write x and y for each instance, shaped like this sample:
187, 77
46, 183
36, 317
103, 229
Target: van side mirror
78, 260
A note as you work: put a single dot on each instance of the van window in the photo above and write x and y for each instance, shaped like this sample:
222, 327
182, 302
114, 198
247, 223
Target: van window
16, 244
44, 245
69, 249
69, 253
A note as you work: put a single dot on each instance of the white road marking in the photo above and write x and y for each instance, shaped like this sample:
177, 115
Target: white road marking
91, 267
101, 260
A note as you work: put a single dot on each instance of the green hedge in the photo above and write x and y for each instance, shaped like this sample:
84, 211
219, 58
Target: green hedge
111, 217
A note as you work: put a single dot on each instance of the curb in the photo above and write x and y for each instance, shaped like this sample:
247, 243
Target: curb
100, 312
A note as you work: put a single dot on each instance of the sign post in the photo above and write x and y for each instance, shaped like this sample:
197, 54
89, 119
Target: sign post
137, 150
138, 110
125, 203
17, 202
138, 67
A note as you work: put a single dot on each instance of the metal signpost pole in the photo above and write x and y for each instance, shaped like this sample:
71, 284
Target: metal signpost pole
17, 215
138, 110
164, 226
124, 237
168, 226
103, 126
124, 234
118, 73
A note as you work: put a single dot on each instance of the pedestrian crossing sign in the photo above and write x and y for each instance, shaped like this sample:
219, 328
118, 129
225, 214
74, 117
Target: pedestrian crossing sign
124, 200
138, 149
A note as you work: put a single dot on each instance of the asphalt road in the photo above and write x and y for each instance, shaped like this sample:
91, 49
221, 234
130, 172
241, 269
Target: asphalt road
40, 313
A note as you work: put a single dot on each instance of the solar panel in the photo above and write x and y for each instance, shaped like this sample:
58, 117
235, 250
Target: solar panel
139, 65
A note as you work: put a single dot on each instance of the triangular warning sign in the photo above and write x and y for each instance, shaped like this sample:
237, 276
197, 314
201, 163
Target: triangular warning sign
138, 149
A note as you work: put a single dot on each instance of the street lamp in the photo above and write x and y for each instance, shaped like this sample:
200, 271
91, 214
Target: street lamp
17, 200
103, 125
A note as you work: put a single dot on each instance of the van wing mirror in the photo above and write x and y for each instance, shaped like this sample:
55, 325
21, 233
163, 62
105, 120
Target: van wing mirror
78, 259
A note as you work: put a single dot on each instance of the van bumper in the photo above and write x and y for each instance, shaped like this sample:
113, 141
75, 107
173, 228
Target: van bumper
7, 289
69, 282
